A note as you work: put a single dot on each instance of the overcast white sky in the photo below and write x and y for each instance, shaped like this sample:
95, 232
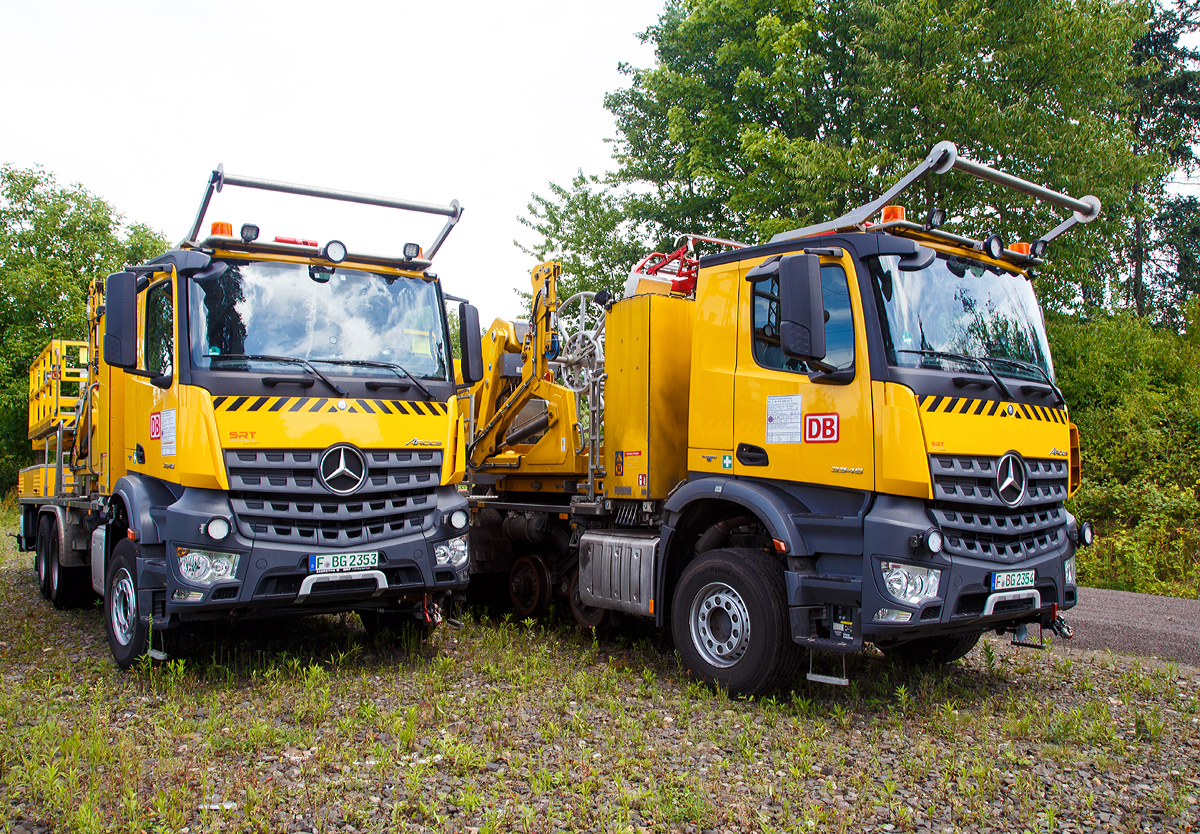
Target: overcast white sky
485, 102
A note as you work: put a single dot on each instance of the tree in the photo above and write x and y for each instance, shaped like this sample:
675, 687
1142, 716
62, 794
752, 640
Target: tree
766, 115
53, 241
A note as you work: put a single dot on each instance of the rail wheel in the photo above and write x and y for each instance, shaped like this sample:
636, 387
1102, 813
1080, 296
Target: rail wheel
529, 586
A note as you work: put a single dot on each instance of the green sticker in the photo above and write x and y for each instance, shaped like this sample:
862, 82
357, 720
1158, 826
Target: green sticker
727, 461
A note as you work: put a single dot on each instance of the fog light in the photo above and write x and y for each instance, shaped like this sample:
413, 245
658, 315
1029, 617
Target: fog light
1069, 571
934, 541
334, 251
217, 528
187, 596
891, 615
458, 519
909, 583
1086, 534
205, 566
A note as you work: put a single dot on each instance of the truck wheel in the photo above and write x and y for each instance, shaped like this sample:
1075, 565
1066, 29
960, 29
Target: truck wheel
529, 586
729, 618
586, 615
41, 546
931, 650
128, 635
67, 584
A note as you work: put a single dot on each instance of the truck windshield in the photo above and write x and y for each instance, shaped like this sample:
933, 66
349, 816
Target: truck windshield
264, 309
960, 306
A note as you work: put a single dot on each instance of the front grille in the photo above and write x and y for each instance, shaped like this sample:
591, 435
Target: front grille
277, 496
976, 523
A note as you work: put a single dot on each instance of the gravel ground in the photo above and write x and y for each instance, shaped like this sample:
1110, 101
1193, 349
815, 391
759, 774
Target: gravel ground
501, 726
1138, 624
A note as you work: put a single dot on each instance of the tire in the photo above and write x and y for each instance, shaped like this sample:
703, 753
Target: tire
931, 650
68, 586
40, 561
529, 587
736, 596
128, 633
586, 615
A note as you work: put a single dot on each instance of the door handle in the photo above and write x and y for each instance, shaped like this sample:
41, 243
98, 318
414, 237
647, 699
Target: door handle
750, 455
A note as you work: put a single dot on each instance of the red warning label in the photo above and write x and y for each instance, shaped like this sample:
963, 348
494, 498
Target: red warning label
820, 428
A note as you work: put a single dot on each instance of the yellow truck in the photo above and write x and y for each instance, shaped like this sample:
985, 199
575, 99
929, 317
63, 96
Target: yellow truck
253, 428
850, 434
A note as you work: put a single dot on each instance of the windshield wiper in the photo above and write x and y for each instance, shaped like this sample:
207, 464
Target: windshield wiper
290, 360
392, 366
1029, 366
963, 357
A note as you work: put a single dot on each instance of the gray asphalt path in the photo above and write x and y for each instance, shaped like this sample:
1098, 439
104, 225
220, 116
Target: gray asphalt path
1139, 624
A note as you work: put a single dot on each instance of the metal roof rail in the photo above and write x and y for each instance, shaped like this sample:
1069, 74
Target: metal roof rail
219, 179
942, 159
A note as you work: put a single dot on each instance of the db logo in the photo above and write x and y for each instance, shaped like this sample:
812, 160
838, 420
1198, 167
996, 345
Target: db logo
156, 426
820, 428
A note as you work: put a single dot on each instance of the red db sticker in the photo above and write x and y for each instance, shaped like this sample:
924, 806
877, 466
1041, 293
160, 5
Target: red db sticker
642, 479
820, 428
156, 426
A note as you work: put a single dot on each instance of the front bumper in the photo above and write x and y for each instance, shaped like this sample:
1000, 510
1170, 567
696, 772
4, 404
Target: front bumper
273, 578
836, 608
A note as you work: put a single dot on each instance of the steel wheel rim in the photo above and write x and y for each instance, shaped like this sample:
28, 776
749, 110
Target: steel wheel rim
122, 607
720, 625
525, 586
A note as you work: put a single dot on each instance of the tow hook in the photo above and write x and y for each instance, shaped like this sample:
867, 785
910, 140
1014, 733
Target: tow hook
1059, 626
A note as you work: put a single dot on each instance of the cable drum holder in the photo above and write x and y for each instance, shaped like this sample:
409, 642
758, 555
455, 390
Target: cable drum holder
941, 160
219, 179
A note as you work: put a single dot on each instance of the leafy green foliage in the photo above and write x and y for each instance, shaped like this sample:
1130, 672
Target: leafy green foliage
53, 241
1135, 395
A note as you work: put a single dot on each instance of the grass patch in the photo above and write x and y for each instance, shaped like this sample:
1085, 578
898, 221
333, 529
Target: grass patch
299, 725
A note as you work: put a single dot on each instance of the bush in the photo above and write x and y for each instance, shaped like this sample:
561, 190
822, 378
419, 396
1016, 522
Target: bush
1134, 392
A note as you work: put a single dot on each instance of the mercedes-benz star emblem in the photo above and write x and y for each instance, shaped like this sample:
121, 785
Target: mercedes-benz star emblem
343, 469
1010, 479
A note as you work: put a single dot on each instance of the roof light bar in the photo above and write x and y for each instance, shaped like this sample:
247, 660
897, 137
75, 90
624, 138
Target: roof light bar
941, 160
219, 179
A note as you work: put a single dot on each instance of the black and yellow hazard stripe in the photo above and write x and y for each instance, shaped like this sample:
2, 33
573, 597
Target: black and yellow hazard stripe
991, 408
328, 405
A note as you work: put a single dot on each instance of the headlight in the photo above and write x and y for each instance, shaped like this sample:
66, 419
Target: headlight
458, 519
459, 552
217, 528
934, 541
909, 583
1086, 534
1069, 571
454, 552
205, 566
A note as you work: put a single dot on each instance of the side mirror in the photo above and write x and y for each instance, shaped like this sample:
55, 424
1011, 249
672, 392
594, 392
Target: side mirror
802, 310
470, 347
120, 320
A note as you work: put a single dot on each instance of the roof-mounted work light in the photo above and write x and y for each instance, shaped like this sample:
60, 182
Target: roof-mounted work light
935, 219
1038, 248
412, 250
993, 245
249, 232
334, 251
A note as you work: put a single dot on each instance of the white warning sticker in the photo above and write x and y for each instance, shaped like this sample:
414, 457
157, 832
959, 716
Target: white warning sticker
166, 428
785, 419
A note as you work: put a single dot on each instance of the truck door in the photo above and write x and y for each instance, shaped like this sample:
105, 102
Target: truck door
150, 413
791, 422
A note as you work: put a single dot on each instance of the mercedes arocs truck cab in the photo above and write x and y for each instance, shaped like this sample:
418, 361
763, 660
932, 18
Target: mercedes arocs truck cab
263, 428
850, 434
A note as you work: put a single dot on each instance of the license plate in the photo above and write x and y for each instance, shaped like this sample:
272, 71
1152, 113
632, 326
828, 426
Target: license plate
1013, 579
332, 562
